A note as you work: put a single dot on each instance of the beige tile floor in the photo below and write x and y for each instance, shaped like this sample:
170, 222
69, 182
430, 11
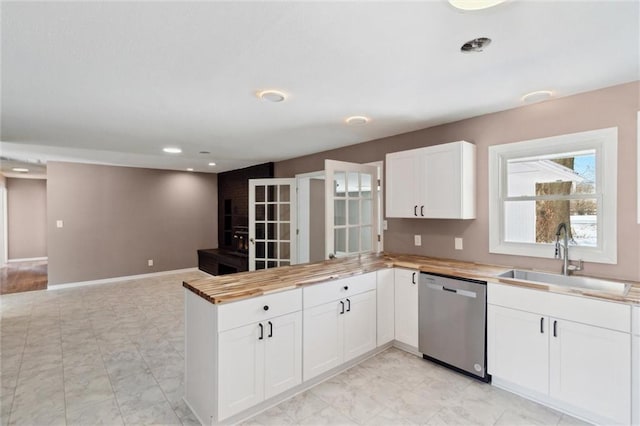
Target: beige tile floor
113, 354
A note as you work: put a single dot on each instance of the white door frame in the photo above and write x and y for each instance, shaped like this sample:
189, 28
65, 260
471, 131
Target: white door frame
303, 193
293, 210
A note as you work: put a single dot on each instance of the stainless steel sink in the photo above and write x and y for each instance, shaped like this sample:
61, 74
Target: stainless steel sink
579, 283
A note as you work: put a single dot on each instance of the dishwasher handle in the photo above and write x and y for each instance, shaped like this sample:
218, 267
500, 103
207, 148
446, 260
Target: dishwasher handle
459, 291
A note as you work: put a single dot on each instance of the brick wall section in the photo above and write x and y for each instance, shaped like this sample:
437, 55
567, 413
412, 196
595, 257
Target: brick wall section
234, 186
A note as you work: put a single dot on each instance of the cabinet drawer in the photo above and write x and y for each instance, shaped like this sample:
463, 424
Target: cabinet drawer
318, 294
615, 316
235, 314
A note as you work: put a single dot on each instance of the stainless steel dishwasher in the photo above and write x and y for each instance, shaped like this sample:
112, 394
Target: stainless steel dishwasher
453, 323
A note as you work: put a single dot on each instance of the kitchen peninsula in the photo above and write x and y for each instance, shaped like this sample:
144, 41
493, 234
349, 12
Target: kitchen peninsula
254, 339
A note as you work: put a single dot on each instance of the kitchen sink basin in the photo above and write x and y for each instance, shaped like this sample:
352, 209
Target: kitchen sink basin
579, 283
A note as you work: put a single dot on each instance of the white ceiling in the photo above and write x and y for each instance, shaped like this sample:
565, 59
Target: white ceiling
114, 82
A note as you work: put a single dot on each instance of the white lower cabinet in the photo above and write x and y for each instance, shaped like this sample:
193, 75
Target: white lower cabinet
518, 347
406, 306
341, 329
590, 368
385, 306
582, 367
258, 361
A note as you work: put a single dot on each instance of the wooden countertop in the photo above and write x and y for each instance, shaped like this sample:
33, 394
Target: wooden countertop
229, 288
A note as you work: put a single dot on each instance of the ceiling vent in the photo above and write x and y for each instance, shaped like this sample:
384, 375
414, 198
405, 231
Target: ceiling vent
475, 45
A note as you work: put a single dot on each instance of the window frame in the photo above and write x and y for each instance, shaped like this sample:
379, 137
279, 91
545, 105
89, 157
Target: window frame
605, 143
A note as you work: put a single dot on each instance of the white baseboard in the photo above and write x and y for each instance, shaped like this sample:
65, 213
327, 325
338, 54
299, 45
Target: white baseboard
28, 259
119, 279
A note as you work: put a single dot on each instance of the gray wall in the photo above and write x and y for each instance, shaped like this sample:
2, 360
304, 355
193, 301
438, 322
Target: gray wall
610, 107
26, 218
116, 218
316, 220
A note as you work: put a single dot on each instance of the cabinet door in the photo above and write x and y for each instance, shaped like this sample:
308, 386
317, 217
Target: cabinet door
591, 369
406, 306
359, 324
385, 306
440, 174
401, 184
283, 353
240, 369
518, 347
323, 339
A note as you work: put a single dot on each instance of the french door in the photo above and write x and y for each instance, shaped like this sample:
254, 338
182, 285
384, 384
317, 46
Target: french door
272, 223
351, 208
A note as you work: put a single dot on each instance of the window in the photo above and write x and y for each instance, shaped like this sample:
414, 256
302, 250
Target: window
536, 185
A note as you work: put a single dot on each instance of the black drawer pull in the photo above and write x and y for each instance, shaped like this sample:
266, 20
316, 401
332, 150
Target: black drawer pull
265, 307
452, 290
342, 304
542, 325
348, 305
422, 211
261, 332
415, 211
413, 278
346, 287
270, 329
555, 329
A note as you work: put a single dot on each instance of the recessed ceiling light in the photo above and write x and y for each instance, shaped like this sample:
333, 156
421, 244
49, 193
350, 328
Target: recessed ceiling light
189, 169
272, 95
537, 96
172, 150
356, 120
20, 170
474, 4
212, 164
476, 45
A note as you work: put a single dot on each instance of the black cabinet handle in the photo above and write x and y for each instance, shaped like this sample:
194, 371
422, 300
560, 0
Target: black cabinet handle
542, 325
422, 211
265, 307
346, 287
555, 328
270, 329
261, 331
342, 311
348, 305
413, 278
415, 211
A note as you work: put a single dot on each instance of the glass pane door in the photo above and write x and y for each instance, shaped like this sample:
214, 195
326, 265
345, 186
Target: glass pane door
351, 209
272, 223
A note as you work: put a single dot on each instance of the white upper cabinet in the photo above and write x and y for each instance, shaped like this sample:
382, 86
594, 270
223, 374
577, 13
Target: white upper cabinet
435, 182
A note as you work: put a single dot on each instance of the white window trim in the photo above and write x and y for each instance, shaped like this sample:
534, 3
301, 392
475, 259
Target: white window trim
605, 142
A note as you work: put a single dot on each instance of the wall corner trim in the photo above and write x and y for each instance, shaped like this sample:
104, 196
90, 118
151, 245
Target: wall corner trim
119, 279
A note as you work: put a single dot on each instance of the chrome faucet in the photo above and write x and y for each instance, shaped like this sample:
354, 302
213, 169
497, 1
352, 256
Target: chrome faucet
567, 267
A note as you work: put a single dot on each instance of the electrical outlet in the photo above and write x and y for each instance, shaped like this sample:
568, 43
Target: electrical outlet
417, 240
150, 262
458, 243
385, 226
59, 224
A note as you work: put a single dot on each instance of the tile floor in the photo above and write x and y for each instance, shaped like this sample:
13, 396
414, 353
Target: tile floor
113, 354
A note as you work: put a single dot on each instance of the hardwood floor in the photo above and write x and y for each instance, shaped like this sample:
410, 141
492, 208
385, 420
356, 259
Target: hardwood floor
23, 276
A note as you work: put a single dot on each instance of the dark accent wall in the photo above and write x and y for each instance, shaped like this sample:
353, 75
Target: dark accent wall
615, 106
117, 218
233, 200
26, 218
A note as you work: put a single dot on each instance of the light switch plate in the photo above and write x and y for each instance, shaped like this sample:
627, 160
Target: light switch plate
458, 243
150, 262
384, 225
417, 240
59, 223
